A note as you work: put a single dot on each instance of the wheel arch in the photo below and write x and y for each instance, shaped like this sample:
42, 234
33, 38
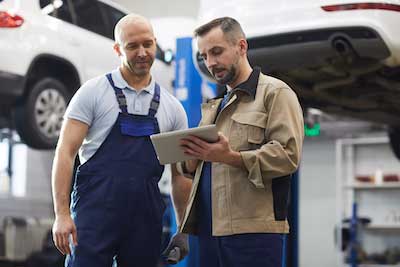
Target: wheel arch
47, 65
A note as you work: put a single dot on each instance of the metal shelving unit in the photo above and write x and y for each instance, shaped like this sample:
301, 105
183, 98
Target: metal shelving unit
377, 202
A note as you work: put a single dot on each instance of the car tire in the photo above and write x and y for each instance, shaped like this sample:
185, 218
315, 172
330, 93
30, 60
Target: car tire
38, 117
394, 137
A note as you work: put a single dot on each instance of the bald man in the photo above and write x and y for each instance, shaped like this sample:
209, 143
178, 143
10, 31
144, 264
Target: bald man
115, 209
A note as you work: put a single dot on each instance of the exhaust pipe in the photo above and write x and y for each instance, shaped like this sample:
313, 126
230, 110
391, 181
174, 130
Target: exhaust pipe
342, 45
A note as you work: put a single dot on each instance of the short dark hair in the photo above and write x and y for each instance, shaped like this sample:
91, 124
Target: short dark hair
229, 26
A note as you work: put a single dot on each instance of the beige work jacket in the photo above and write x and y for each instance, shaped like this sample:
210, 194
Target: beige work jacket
267, 129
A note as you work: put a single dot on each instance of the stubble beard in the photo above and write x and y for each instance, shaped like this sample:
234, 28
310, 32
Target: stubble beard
137, 71
228, 77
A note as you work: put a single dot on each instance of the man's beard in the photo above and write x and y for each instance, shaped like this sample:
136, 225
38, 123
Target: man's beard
138, 71
227, 78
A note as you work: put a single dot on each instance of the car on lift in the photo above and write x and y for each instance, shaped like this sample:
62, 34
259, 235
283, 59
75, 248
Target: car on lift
340, 56
48, 48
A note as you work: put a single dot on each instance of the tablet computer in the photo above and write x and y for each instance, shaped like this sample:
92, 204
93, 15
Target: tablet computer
167, 145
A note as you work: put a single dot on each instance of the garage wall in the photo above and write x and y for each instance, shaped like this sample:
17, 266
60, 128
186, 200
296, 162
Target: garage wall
317, 204
38, 174
30, 194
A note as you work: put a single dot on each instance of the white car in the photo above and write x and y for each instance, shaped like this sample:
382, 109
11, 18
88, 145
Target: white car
339, 56
48, 48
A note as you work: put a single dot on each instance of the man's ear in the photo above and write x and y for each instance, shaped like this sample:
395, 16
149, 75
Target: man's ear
117, 49
243, 46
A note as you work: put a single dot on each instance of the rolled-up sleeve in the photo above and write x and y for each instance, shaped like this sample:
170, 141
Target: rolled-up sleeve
284, 133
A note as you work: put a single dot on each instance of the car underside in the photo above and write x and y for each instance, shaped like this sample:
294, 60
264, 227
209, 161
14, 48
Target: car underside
337, 70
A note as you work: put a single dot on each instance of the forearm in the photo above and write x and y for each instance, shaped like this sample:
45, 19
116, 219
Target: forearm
61, 182
180, 191
191, 165
187, 168
234, 159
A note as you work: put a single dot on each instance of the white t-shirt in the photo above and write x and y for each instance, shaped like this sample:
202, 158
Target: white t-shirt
96, 105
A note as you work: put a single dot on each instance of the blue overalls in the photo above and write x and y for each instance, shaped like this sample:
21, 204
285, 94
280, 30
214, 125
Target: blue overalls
116, 203
240, 250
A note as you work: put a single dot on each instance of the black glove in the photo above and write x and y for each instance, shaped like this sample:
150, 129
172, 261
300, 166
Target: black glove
177, 248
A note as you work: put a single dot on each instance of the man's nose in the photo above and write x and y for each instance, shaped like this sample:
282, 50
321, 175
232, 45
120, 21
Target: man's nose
211, 62
142, 51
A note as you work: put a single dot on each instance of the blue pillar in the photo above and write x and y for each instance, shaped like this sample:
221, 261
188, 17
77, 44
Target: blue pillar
353, 236
188, 90
188, 82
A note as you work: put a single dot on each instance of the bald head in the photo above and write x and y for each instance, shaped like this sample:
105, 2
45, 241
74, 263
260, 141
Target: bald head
131, 20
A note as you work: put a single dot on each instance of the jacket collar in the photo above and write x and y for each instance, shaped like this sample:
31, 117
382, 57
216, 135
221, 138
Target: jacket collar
249, 86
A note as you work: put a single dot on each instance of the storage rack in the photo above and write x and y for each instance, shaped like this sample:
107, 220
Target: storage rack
380, 202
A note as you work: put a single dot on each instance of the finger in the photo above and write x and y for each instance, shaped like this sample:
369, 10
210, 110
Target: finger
222, 137
196, 147
54, 239
191, 152
74, 236
64, 243
67, 246
191, 146
59, 243
56, 242
203, 144
188, 143
174, 256
184, 141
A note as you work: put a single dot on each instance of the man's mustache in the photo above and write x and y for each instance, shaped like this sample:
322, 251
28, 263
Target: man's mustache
217, 69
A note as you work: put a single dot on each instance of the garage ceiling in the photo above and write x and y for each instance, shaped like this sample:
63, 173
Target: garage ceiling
157, 8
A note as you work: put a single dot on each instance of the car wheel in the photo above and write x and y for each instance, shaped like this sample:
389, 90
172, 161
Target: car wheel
394, 137
39, 117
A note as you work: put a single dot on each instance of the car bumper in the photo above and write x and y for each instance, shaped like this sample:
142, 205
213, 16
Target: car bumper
316, 47
11, 85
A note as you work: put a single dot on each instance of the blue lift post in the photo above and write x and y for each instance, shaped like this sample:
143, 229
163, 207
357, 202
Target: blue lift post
188, 89
187, 81
353, 236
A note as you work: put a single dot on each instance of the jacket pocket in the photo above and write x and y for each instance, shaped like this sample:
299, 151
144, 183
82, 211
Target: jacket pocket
251, 126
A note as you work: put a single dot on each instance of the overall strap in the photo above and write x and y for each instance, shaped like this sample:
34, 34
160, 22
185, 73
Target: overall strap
119, 94
155, 102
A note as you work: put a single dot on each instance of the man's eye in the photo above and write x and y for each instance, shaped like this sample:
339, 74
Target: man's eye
216, 52
132, 46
